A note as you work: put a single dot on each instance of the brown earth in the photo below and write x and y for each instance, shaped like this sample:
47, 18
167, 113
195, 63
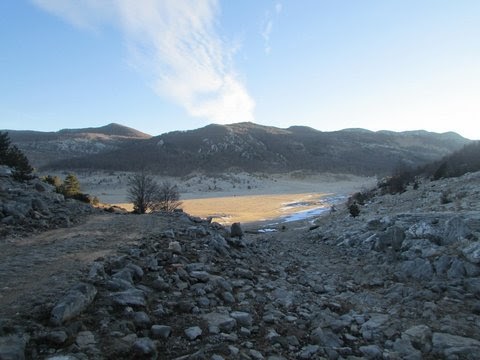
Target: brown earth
35, 270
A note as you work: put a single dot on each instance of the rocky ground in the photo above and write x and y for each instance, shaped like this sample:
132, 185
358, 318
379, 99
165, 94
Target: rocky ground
35, 206
400, 281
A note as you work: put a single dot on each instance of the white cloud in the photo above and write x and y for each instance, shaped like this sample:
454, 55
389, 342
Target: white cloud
267, 26
175, 44
278, 8
85, 14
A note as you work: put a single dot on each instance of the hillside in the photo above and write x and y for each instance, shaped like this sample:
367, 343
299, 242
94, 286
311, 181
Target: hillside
460, 162
255, 148
44, 147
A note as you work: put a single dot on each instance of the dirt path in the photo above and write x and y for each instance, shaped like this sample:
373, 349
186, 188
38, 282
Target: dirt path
36, 270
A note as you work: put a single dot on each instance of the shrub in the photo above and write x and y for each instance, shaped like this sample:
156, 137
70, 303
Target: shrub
445, 198
54, 181
354, 209
168, 197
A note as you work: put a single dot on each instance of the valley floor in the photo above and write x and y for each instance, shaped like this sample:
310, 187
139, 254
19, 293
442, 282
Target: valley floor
229, 198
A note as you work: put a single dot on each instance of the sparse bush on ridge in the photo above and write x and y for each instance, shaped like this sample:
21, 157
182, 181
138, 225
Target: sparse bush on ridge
70, 188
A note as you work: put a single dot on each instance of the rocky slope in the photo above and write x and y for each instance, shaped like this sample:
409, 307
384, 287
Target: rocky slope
255, 148
401, 281
42, 148
33, 206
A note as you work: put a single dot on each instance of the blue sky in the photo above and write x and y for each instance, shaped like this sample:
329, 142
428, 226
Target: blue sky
166, 65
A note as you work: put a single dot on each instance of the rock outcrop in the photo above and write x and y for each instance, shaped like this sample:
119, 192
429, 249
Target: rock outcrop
34, 205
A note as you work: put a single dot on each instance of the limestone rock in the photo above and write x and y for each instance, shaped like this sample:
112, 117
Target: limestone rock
472, 252
161, 331
175, 247
73, 303
242, 318
371, 351
420, 336
12, 347
85, 339
133, 297
393, 237
219, 322
145, 347
455, 230
193, 332
448, 345
417, 269
405, 349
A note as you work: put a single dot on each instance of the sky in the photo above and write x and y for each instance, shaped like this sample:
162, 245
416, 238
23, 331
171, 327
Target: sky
166, 65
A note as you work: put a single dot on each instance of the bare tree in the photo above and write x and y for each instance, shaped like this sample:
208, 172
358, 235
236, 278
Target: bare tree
146, 195
143, 192
168, 197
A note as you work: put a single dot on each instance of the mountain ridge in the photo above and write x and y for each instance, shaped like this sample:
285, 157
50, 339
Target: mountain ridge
44, 147
257, 148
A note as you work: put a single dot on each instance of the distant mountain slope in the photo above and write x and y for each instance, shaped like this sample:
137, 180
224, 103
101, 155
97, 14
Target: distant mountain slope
113, 130
46, 147
251, 147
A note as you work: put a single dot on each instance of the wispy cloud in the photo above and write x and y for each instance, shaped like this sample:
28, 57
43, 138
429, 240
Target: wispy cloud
176, 45
267, 26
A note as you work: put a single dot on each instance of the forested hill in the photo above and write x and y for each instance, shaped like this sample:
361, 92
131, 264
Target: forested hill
255, 148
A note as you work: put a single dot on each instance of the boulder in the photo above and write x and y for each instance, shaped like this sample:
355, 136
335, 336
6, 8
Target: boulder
472, 252
371, 352
420, 336
145, 348
417, 269
457, 270
193, 332
454, 346
219, 322
161, 331
473, 286
325, 338
85, 339
12, 347
73, 303
455, 230
392, 237
404, 348
175, 247
132, 297
422, 230
242, 318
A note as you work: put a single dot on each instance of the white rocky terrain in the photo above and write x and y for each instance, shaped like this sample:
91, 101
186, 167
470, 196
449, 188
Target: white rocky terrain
400, 281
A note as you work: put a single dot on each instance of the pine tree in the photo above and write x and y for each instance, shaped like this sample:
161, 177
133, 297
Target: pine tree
11, 156
4, 147
71, 186
19, 162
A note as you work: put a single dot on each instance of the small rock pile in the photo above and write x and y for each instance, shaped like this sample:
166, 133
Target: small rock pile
33, 205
